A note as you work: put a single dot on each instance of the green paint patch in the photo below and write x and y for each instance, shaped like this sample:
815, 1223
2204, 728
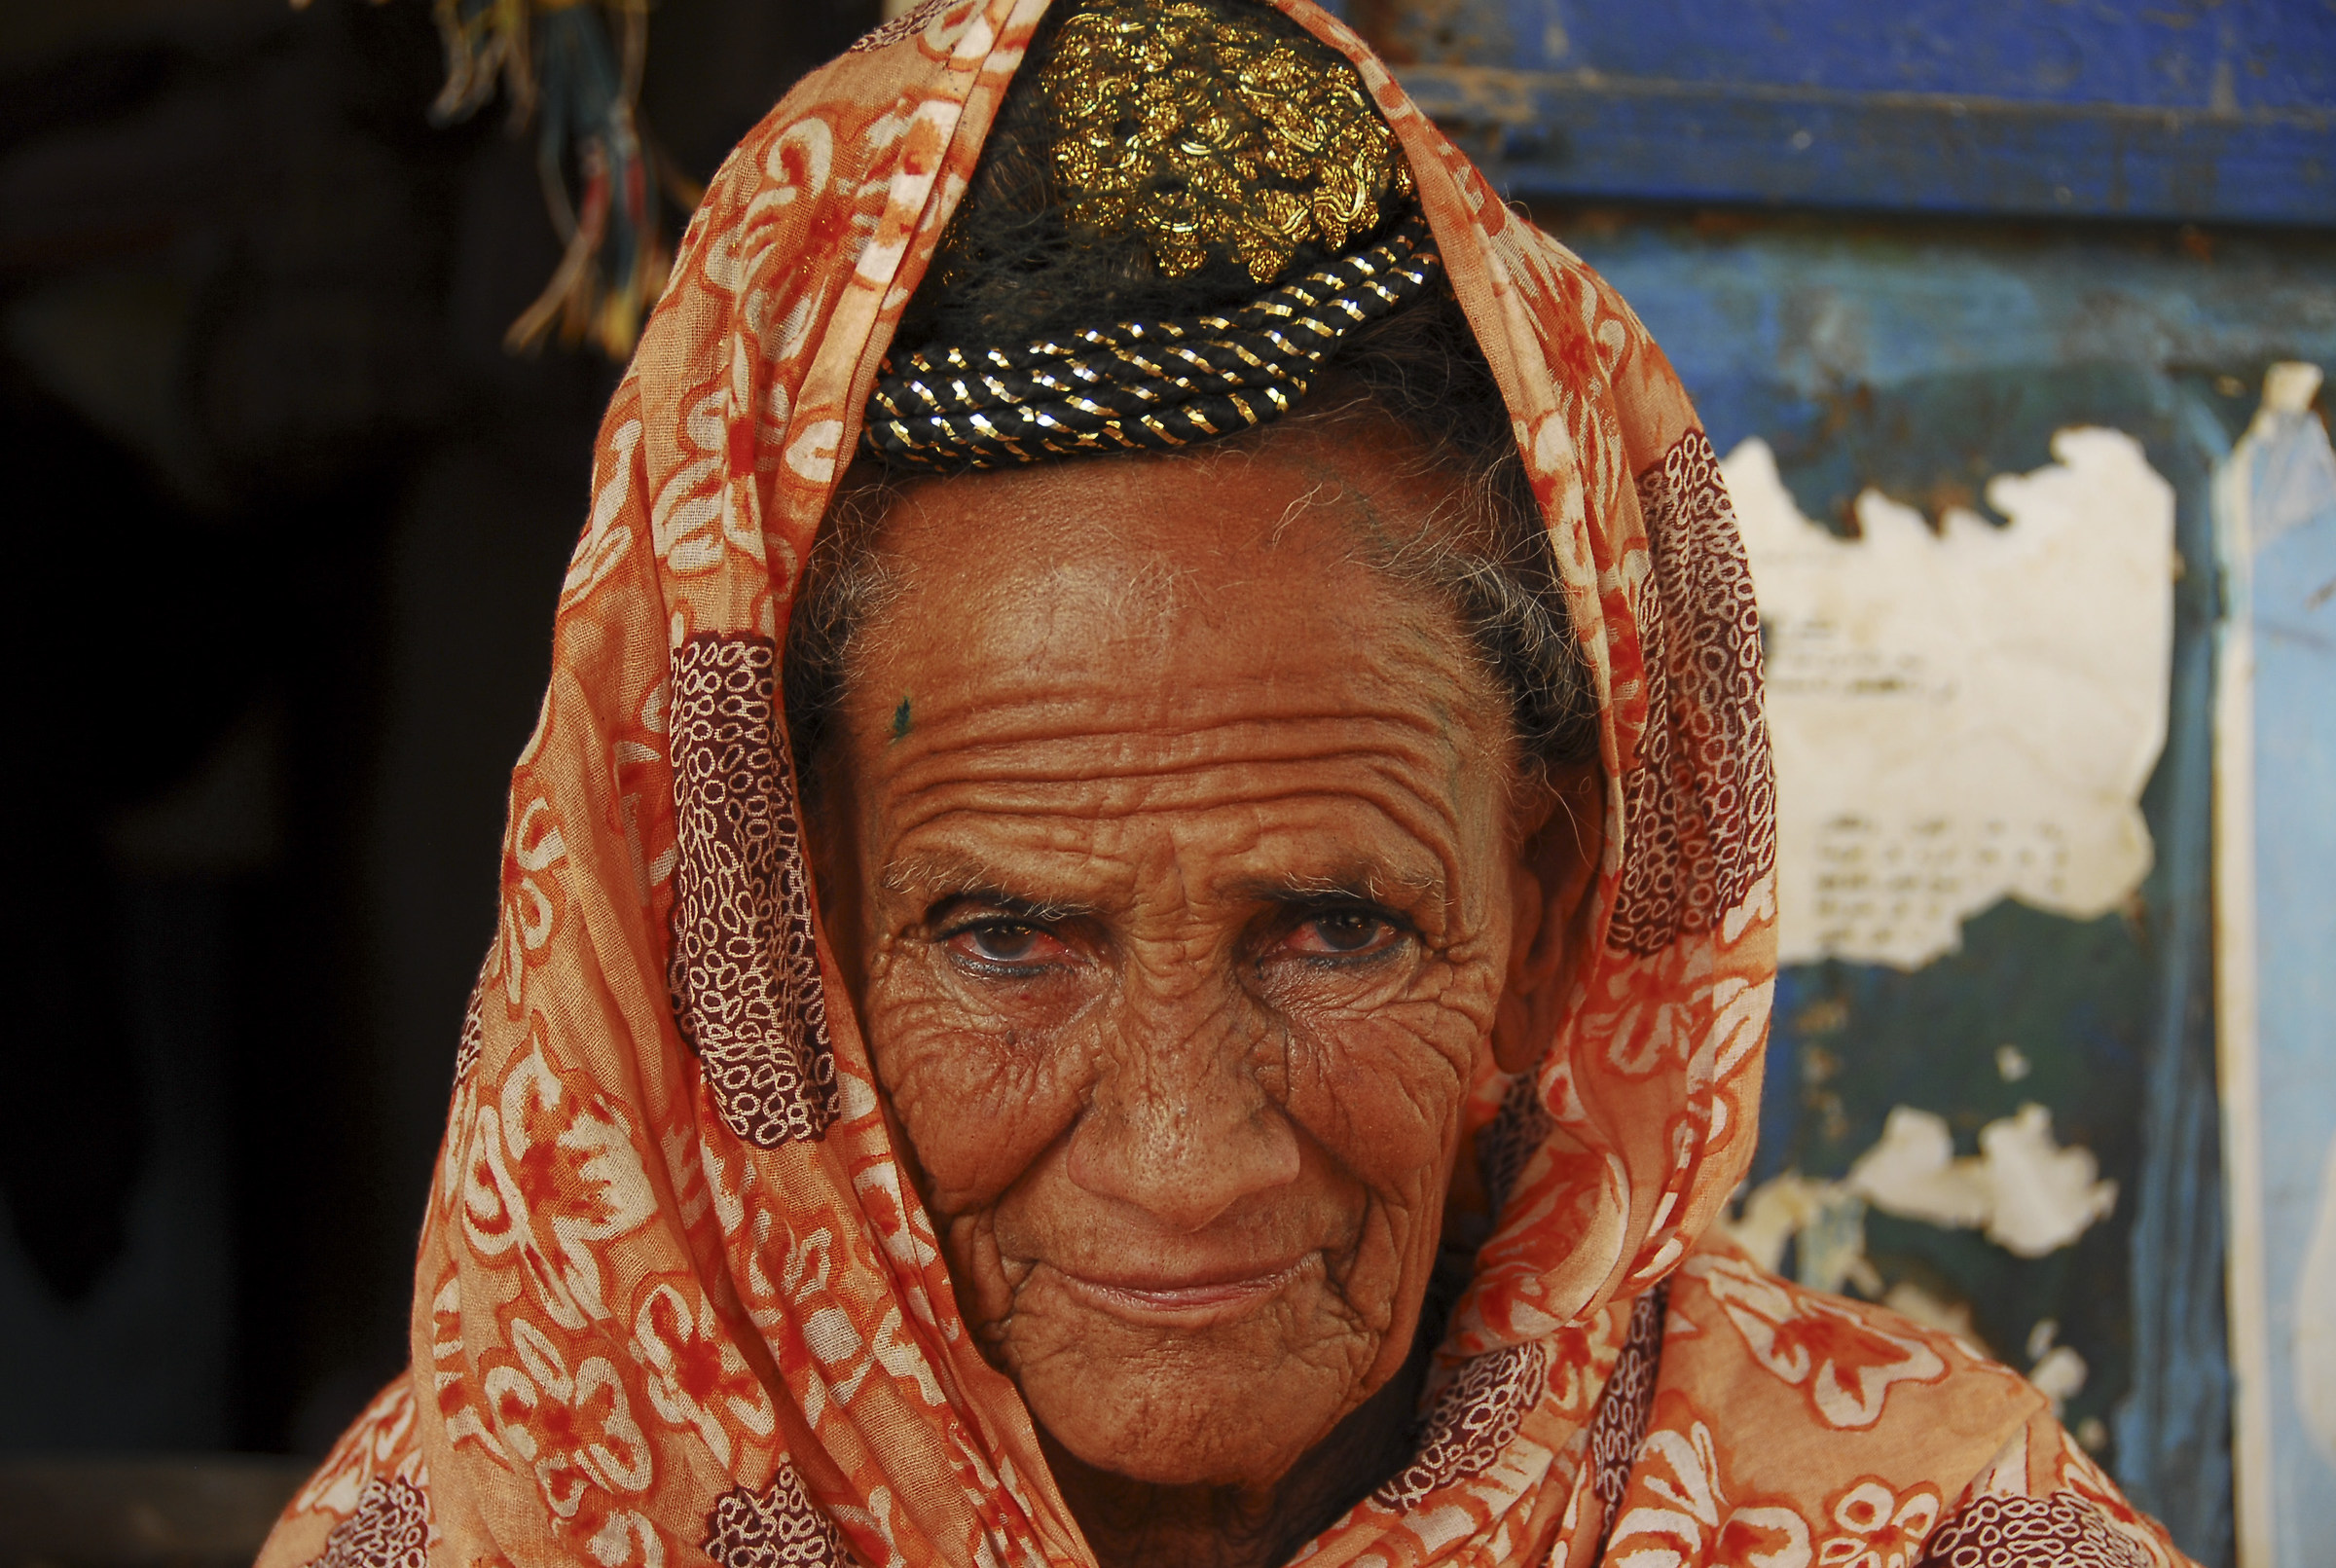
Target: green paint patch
900, 720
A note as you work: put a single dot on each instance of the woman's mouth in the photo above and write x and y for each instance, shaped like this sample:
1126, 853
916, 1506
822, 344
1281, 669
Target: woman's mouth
1189, 1299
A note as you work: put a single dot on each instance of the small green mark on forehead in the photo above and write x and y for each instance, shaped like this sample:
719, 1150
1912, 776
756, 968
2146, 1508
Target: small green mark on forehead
900, 720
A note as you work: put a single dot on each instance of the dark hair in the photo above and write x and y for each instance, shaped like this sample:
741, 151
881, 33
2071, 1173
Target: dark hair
1487, 556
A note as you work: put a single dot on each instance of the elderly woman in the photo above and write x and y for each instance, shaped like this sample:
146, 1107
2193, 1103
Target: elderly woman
1168, 964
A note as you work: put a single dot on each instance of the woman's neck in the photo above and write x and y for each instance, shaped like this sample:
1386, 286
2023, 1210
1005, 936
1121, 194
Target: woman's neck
1135, 1524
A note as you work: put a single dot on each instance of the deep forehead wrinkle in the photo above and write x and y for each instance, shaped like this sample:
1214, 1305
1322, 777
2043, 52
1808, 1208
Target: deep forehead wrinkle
1062, 810
1300, 770
1086, 752
1277, 709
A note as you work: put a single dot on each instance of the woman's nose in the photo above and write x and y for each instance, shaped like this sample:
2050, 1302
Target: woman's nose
1177, 1125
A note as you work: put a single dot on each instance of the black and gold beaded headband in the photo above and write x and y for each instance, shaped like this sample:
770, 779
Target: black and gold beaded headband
1221, 142
1135, 384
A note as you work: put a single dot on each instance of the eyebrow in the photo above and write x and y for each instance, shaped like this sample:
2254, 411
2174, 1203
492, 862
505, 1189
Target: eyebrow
956, 880
1357, 884
945, 881
1037, 912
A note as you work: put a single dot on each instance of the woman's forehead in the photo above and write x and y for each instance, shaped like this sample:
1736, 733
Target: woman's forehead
1147, 589
1187, 527
1142, 653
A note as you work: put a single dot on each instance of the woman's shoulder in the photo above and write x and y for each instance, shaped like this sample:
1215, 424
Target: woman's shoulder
1834, 1423
2043, 1500
1811, 1358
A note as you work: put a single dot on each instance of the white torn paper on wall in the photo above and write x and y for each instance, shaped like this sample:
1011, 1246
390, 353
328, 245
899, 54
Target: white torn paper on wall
1912, 1173
1826, 1217
1963, 715
2030, 1196
2057, 1371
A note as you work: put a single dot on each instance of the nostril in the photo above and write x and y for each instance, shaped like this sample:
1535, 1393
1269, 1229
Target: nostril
1182, 1162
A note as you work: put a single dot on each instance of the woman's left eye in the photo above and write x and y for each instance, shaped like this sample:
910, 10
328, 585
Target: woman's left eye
1344, 933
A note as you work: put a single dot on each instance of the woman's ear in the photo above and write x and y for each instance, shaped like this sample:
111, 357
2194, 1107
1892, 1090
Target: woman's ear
1562, 835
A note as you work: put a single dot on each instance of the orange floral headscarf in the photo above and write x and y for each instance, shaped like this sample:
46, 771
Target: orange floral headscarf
677, 1300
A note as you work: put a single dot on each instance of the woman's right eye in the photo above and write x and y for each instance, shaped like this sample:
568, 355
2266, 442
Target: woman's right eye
1006, 944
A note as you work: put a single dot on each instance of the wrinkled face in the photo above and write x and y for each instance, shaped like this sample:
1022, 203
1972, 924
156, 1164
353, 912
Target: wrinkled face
1171, 854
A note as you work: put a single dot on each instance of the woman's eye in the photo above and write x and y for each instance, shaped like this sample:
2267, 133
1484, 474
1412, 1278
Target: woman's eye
1342, 933
1005, 943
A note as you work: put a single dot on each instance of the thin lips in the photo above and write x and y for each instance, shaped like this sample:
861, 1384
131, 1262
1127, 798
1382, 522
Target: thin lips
1190, 1291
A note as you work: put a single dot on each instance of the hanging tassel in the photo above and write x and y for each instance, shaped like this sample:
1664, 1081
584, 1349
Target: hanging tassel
587, 129
571, 69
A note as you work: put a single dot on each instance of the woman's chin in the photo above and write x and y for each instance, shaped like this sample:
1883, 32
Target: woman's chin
1182, 1435
1235, 1403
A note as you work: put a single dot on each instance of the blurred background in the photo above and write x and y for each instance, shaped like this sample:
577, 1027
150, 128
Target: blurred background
288, 517
287, 526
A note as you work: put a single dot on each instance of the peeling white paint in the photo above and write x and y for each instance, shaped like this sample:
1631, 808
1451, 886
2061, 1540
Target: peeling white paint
1773, 1213
1912, 1173
1826, 1218
2059, 1375
2044, 1196
2056, 1372
1912, 1301
2030, 1195
1825, 1223
1952, 724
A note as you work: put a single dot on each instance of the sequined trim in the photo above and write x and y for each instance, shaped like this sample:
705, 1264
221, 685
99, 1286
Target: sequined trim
1153, 384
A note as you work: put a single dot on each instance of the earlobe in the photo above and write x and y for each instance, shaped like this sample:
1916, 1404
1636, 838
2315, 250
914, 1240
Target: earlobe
1556, 861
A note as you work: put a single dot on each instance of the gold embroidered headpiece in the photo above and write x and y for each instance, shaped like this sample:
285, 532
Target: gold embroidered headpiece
1214, 136
1169, 156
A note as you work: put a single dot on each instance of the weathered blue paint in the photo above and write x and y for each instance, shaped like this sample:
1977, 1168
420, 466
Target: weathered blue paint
2289, 601
2173, 1428
1805, 331
2183, 109
1921, 357
2242, 55
1548, 134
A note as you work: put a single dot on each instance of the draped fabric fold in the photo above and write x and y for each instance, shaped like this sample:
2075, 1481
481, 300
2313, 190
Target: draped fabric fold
675, 1297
